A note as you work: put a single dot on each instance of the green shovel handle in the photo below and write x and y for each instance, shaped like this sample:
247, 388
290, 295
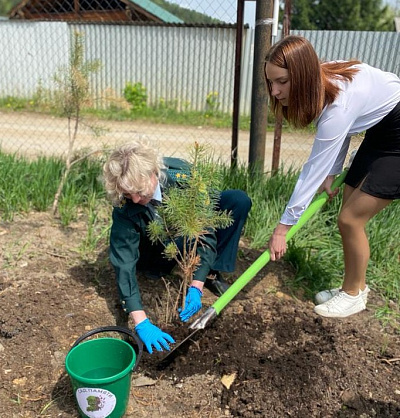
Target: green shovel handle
264, 258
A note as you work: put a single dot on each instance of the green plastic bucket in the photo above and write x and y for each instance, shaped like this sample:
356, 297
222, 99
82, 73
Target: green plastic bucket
100, 371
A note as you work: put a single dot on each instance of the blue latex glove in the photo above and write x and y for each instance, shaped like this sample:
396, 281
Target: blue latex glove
153, 336
192, 303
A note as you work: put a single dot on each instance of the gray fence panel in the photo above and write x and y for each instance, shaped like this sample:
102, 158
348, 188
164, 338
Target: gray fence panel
379, 49
246, 72
173, 63
31, 52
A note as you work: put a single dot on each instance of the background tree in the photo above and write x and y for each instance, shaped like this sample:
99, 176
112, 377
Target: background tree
187, 15
6, 6
360, 15
302, 15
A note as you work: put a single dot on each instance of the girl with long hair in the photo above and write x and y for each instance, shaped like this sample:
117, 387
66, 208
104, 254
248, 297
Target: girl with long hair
342, 98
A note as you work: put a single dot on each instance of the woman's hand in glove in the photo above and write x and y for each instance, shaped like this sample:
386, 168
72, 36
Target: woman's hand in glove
153, 336
192, 303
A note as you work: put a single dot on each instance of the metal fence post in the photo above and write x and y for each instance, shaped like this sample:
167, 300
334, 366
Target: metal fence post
276, 150
236, 87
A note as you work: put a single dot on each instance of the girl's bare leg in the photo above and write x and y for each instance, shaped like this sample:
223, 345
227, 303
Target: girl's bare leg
357, 209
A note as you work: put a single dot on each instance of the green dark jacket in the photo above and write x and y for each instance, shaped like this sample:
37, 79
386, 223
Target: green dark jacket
129, 224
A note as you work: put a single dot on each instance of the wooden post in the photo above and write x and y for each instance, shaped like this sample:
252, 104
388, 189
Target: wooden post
259, 99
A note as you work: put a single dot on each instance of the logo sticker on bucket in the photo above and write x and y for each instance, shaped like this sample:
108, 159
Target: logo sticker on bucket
95, 403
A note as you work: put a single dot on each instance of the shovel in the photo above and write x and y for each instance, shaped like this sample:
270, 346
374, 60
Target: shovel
211, 313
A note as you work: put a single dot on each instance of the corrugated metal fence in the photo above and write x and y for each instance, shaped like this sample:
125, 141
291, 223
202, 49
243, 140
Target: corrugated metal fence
179, 64
175, 64
379, 49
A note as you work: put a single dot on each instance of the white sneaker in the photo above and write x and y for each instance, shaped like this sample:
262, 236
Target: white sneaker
341, 305
325, 295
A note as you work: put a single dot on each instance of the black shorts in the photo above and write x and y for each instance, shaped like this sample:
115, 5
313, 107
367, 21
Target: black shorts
378, 159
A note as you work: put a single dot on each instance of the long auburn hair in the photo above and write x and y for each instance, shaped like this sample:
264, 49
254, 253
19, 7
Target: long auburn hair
312, 85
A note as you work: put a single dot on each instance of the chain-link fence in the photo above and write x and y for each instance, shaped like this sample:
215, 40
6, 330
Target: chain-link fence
124, 69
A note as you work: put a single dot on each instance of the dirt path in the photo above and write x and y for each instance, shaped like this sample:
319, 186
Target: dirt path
37, 134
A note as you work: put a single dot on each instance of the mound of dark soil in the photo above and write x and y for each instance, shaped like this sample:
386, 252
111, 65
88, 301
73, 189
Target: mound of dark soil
266, 355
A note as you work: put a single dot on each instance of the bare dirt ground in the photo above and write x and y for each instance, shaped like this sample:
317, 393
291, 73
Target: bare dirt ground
266, 355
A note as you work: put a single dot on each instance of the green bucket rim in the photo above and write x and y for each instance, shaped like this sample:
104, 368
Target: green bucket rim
93, 381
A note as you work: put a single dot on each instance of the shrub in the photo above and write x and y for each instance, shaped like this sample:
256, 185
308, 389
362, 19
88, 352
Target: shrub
136, 95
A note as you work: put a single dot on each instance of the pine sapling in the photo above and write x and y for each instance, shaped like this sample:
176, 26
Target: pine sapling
188, 213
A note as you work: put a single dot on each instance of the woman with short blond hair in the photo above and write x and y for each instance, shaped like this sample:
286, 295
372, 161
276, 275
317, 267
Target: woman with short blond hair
130, 168
134, 177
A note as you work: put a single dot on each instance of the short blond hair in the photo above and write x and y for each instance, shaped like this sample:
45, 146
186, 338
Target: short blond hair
130, 168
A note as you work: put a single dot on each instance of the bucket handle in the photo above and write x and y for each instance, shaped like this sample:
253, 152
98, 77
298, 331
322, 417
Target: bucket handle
115, 328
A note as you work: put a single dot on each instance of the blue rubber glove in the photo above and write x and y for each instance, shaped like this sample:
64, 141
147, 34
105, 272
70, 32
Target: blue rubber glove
192, 303
153, 336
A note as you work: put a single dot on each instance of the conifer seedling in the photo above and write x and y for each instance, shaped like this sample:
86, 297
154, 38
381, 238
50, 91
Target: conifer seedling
188, 213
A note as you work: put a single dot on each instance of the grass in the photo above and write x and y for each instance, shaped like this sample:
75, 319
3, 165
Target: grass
315, 252
167, 113
171, 116
161, 113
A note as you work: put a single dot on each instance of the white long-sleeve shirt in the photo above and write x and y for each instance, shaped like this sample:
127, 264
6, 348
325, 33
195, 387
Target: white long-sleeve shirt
361, 104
